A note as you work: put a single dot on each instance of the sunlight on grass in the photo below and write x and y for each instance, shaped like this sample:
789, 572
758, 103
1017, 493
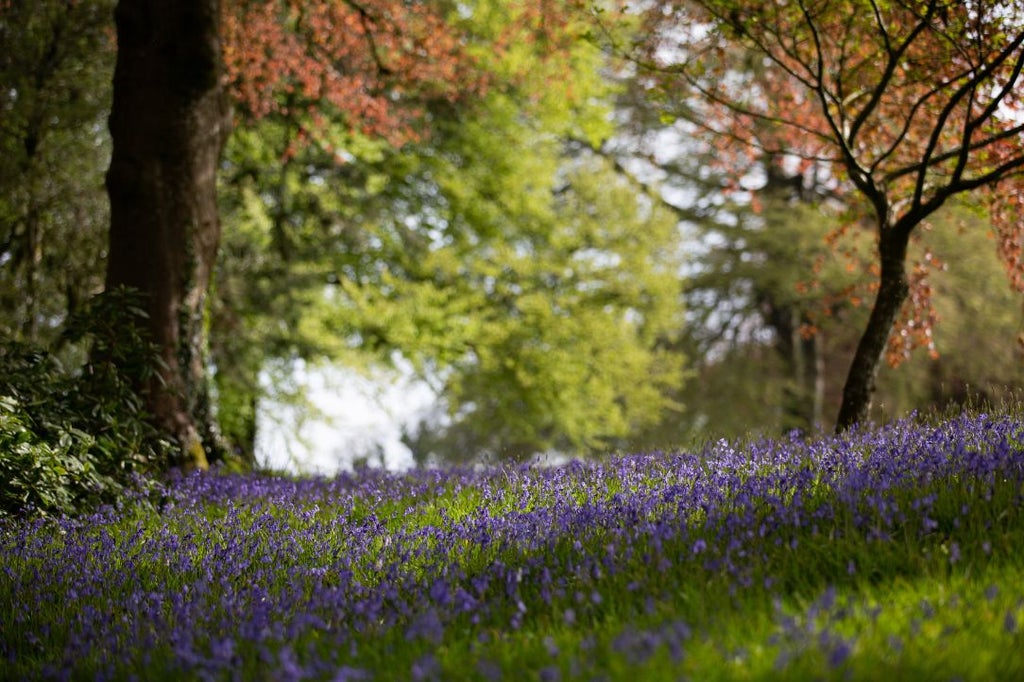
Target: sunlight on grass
887, 554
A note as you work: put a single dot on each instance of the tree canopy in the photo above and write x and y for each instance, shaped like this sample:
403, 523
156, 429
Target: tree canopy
531, 288
583, 224
56, 68
908, 103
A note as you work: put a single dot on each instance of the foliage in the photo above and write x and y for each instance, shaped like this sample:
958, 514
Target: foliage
979, 317
566, 322
907, 103
517, 282
892, 552
368, 67
777, 284
71, 438
56, 69
755, 278
778, 253
912, 102
323, 165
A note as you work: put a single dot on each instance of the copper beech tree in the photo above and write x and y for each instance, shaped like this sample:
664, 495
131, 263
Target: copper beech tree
182, 67
906, 103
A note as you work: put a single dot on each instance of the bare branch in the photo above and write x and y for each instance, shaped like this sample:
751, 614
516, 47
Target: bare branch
892, 63
954, 153
967, 90
919, 212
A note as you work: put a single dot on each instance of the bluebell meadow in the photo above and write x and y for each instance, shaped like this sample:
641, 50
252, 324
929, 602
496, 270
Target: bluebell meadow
892, 551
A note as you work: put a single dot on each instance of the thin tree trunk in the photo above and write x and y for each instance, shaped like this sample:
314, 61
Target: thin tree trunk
168, 124
818, 382
809, 374
803, 392
893, 288
796, 407
33, 260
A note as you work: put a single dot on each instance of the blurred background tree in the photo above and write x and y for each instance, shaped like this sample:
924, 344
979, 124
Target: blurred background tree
56, 68
516, 272
776, 289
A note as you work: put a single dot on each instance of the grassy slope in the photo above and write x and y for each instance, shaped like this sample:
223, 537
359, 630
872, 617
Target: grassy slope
888, 555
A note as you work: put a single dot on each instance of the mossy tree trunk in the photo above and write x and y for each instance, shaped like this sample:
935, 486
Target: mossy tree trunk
169, 122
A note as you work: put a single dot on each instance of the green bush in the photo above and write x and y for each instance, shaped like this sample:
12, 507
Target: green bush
72, 438
38, 475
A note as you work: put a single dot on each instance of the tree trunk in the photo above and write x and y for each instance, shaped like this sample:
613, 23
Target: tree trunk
817, 344
168, 123
33, 260
808, 376
893, 288
804, 389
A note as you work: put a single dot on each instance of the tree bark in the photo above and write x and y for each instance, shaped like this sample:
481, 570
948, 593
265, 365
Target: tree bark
893, 289
168, 123
817, 346
807, 366
33, 260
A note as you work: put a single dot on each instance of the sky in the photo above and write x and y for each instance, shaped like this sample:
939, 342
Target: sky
358, 416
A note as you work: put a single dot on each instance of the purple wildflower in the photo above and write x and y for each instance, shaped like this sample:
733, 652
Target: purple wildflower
348, 674
550, 674
1010, 623
427, 626
426, 668
839, 652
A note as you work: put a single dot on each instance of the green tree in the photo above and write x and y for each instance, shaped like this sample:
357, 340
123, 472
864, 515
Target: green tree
753, 287
328, 209
56, 68
562, 338
536, 295
177, 65
768, 297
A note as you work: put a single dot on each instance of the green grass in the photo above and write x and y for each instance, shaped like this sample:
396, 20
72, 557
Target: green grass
605, 571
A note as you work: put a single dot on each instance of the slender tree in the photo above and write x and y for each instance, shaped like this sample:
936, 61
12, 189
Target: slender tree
907, 102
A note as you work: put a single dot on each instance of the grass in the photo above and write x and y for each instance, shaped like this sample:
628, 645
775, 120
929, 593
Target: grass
884, 554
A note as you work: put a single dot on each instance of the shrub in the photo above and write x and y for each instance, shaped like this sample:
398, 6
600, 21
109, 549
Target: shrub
74, 437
